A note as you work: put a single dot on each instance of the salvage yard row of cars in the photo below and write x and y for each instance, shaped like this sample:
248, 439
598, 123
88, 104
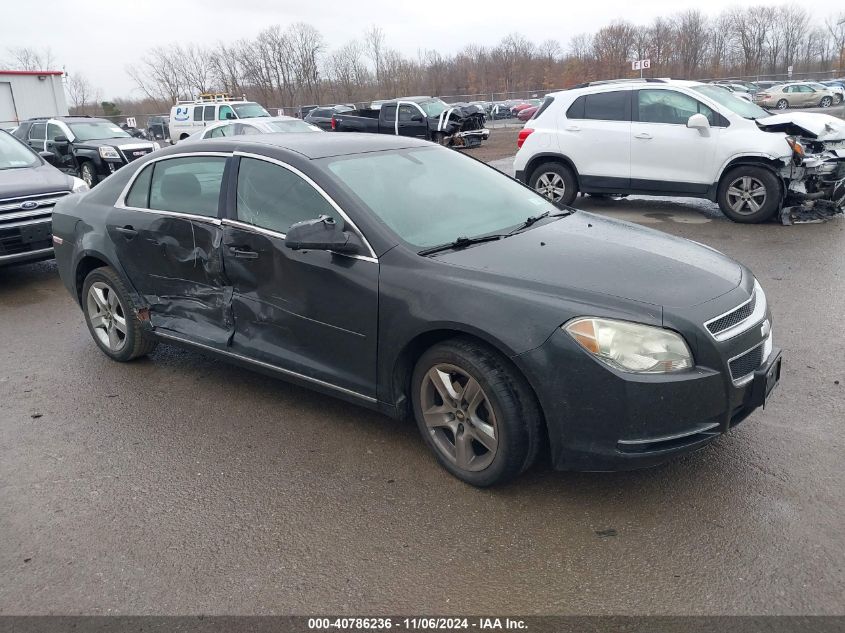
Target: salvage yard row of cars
388, 271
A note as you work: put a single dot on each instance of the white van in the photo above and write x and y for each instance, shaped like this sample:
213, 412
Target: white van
187, 117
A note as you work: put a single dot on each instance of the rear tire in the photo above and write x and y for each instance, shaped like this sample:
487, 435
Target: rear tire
87, 173
826, 102
556, 182
783, 104
112, 318
749, 194
475, 412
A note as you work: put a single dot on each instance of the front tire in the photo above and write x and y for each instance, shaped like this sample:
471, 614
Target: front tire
556, 182
475, 412
87, 173
783, 104
749, 194
111, 316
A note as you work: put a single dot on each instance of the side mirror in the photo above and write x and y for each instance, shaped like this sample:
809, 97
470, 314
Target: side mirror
230, 116
50, 157
61, 139
699, 122
321, 234
417, 118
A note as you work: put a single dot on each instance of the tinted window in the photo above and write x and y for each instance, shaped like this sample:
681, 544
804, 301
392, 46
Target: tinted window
273, 198
139, 195
209, 113
187, 185
53, 131
406, 112
608, 106
198, 113
546, 103
668, 106
389, 112
576, 110
37, 131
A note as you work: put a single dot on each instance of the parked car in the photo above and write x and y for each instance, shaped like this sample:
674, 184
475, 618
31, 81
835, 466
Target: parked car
261, 125
837, 87
29, 187
797, 95
422, 117
392, 273
83, 146
681, 138
526, 113
188, 117
322, 116
158, 128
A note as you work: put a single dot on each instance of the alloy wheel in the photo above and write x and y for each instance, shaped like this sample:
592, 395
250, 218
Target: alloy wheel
783, 104
88, 175
551, 185
746, 195
459, 417
107, 316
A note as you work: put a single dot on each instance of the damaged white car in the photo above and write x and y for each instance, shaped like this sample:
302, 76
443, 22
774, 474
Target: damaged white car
664, 137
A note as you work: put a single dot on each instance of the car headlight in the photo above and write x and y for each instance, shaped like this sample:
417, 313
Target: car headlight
79, 185
107, 151
630, 346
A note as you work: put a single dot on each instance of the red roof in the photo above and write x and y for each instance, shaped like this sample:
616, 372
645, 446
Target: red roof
32, 72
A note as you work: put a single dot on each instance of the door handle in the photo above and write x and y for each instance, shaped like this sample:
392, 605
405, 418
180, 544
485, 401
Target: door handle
643, 135
128, 231
243, 253
572, 128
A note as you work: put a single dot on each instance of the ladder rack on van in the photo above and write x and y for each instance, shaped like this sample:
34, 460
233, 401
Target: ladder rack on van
212, 97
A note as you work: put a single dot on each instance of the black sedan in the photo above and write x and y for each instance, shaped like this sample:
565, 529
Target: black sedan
409, 278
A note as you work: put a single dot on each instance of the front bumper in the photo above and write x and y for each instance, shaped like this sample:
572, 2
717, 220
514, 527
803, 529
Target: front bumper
25, 241
599, 419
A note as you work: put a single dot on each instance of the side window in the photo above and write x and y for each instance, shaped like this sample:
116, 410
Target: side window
608, 106
668, 106
53, 131
406, 112
198, 113
273, 198
247, 129
37, 131
222, 130
389, 112
209, 113
224, 113
576, 110
187, 185
139, 195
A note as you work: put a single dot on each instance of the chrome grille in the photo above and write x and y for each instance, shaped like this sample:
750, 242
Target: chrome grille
20, 218
743, 365
733, 318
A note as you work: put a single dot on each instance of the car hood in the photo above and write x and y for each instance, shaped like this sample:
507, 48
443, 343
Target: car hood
810, 124
30, 181
588, 252
116, 142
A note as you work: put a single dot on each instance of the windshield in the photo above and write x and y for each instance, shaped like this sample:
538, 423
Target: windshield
422, 194
433, 107
95, 130
743, 108
290, 126
249, 110
14, 154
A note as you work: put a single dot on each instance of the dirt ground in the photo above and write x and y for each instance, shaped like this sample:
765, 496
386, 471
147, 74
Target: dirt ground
501, 144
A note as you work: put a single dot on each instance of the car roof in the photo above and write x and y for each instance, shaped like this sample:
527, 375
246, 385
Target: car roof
313, 146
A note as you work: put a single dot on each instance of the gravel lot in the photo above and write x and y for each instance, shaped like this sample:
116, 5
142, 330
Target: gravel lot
180, 484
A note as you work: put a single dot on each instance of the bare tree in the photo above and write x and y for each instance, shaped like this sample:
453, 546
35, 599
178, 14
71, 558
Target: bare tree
25, 58
80, 92
374, 41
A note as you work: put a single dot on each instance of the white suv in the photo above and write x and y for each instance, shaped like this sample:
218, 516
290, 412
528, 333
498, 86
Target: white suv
676, 138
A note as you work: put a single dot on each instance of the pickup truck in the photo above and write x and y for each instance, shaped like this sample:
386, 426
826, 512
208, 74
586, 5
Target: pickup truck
421, 117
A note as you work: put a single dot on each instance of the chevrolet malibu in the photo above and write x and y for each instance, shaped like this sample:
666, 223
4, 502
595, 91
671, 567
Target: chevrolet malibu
406, 277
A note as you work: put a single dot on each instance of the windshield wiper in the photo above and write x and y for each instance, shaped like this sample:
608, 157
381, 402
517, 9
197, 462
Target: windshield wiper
533, 219
461, 242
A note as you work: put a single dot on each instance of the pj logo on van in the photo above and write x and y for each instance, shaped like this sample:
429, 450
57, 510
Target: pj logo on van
181, 114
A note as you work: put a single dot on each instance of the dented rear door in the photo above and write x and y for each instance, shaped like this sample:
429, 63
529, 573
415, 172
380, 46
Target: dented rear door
167, 235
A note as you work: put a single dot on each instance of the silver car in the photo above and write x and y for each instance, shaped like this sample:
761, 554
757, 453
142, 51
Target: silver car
795, 95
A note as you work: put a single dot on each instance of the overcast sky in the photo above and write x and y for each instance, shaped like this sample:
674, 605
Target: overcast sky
100, 38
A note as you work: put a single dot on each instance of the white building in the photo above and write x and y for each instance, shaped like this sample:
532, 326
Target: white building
30, 93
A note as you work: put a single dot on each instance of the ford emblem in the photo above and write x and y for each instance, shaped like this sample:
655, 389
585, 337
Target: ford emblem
29, 204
